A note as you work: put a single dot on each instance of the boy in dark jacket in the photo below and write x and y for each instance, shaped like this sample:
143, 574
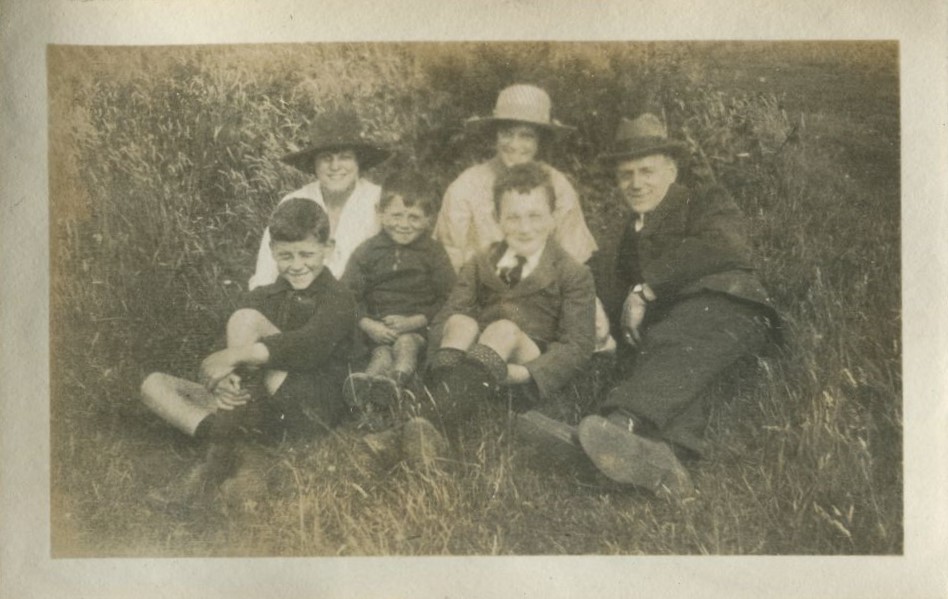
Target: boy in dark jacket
293, 336
401, 278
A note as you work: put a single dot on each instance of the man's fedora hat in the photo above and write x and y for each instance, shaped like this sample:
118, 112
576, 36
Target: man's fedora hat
333, 131
522, 104
643, 136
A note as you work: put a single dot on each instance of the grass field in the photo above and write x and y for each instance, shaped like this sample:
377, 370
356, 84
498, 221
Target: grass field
164, 167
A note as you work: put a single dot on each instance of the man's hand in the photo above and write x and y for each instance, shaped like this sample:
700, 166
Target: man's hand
228, 393
378, 331
405, 324
216, 367
633, 312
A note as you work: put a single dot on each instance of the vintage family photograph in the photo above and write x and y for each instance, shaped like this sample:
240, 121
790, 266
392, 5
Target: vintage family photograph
475, 298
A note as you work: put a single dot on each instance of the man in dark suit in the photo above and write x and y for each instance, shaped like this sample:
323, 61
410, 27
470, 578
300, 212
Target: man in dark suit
693, 306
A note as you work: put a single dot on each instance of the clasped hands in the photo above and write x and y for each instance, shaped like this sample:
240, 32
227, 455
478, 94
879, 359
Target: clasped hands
218, 377
388, 329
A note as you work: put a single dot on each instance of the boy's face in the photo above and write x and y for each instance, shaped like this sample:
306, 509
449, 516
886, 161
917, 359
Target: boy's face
300, 262
337, 171
404, 225
526, 220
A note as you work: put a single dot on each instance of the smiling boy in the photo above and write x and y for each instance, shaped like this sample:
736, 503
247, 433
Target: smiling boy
521, 312
295, 335
401, 278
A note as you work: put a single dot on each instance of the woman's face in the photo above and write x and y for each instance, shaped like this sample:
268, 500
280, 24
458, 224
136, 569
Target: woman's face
517, 144
337, 171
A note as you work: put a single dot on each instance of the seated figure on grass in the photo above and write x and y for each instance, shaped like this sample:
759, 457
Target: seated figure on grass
692, 307
281, 373
401, 278
522, 311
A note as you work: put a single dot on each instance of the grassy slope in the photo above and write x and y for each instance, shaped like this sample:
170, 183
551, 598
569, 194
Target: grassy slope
807, 452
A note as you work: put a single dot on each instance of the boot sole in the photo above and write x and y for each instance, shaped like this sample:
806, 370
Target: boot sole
629, 459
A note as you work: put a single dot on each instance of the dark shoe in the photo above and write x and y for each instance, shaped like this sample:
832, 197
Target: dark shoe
422, 445
367, 392
553, 443
630, 459
249, 486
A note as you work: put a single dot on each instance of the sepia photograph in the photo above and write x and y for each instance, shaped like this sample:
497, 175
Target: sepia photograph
426, 299
536, 298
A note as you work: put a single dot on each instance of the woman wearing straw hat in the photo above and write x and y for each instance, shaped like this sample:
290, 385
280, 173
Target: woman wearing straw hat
338, 154
521, 124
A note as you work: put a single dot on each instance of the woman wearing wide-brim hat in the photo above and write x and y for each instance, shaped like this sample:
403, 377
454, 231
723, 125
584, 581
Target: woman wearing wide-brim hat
337, 155
520, 124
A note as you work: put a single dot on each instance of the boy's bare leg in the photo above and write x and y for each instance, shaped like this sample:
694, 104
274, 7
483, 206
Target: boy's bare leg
247, 326
460, 332
182, 403
405, 350
381, 362
510, 343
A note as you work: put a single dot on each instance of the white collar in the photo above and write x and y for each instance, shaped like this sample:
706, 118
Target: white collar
509, 260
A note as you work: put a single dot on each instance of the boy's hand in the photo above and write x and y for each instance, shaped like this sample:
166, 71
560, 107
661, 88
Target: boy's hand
216, 367
517, 375
405, 324
377, 331
228, 393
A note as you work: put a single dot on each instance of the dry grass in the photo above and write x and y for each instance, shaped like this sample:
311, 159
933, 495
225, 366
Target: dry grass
164, 167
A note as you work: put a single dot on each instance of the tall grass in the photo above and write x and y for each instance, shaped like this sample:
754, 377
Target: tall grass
165, 165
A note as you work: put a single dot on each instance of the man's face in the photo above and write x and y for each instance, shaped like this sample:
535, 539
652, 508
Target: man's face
645, 181
517, 144
300, 262
526, 220
337, 171
404, 225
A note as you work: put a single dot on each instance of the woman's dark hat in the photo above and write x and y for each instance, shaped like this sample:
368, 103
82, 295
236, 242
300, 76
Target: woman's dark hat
333, 131
643, 136
525, 104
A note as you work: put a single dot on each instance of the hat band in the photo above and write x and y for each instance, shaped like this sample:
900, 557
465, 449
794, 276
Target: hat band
529, 114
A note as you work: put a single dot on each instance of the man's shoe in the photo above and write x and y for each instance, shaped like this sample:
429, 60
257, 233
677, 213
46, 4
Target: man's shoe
367, 392
422, 445
553, 443
630, 459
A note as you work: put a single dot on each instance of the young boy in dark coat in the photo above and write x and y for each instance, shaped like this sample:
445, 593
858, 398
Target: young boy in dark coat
293, 335
401, 278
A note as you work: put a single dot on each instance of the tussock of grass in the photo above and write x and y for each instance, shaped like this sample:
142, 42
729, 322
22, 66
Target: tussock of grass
165, 167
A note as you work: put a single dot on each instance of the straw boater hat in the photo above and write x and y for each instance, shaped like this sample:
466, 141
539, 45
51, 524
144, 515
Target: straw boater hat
643, 136
522, 104
333, 131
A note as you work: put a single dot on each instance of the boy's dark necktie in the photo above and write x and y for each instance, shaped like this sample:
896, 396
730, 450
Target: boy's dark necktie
511, 275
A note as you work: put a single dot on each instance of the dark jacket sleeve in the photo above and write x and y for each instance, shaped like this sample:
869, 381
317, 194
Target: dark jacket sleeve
314, 344
442, 279
713, 242
354, 278
568, 355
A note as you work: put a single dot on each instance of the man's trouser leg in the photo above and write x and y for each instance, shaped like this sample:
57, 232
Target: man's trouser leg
680, 354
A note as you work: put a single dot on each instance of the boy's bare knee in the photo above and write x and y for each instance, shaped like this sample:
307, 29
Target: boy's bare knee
409, 341
154, 383
460, 322
505, 330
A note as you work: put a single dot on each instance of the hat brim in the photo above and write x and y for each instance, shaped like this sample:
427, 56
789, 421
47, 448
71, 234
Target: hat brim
675, 149
480, 123
367, 155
